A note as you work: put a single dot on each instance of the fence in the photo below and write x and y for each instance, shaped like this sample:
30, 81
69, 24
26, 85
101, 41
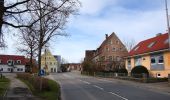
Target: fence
134, 77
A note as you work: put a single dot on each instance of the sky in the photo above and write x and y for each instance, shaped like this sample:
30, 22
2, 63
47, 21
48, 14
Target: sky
129, 19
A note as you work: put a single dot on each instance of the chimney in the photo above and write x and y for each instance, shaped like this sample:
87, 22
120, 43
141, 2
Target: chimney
158, 34
106, 36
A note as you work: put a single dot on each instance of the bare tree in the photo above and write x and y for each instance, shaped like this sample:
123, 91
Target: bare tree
28, 43
129, 44
52, 20
17, 13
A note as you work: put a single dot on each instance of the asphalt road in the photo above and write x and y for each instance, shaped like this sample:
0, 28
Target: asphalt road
77, 87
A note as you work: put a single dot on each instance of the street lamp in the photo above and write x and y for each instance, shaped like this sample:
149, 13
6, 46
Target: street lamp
166, 6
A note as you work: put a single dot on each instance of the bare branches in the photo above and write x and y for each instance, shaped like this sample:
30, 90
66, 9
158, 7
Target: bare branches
16, 4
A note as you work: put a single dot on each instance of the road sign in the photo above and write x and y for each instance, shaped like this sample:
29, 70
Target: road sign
41, 72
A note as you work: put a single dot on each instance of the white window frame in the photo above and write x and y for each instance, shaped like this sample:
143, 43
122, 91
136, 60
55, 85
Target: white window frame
159, 59
18, 61
155, 60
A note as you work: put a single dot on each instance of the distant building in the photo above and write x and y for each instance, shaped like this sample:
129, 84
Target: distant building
28, 68
153, 53
75, 66
109, 55
58, 58
12, 63
49, 62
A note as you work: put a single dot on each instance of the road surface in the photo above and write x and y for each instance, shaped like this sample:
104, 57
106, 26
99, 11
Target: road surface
77, 87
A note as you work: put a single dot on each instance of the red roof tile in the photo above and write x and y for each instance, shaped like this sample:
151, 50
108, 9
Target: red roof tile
5, 58
159, 44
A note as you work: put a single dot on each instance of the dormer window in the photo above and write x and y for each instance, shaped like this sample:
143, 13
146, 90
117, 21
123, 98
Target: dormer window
136, 48
151, 44
10, 62
166, 41
18, 61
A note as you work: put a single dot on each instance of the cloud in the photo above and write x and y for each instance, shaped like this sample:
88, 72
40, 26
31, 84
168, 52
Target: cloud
129, 19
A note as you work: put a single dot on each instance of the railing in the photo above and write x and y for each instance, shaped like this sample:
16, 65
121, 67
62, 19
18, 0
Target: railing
133, 77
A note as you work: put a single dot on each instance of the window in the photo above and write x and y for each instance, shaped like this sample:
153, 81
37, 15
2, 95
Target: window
18, 61
18, 69
114, 49
117, 42
158, 75
166, 41
10, 62
1, 69
0, 61
160, 60
151, 44
137, 61
136, 48
110, 58
21, 69
107, 49
9, 69
153, 60
129, 62
103, 58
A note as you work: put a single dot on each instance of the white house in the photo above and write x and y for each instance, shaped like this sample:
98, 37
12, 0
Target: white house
12, 63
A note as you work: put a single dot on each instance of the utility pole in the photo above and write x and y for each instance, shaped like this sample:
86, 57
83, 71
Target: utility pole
166, 5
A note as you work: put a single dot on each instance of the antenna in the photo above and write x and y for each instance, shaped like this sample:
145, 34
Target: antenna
166, 5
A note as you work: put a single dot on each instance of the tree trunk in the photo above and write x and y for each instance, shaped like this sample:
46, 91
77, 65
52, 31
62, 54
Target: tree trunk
31, 64
1, 17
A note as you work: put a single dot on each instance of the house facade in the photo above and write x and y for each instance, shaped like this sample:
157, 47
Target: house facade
12, 63
49, 62
153, 53
109, 55
75, 66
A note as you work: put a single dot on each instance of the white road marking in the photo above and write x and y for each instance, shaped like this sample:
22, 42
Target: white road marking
85, 82
118, 96
98, 87
104, 80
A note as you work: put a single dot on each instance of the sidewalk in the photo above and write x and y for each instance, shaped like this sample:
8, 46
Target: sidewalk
17, 90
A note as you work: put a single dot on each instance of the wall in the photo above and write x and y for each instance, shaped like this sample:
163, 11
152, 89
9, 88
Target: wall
5, 68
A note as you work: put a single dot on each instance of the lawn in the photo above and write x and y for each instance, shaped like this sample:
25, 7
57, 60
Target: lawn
4, 84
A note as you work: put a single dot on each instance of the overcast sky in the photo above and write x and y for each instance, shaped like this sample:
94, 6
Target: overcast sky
129, 19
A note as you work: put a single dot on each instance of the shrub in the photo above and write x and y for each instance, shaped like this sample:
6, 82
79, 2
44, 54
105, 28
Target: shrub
89, 66
35, 81
137, 71
123, 70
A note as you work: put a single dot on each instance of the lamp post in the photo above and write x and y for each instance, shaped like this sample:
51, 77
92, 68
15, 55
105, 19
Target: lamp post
166, 6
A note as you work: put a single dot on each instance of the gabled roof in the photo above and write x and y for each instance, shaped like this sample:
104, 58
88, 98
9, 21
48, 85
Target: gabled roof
5, 58
157, 43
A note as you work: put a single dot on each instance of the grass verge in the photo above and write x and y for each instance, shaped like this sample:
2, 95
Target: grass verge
4, 84
52, 94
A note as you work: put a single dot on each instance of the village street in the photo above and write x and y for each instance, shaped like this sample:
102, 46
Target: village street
77, 87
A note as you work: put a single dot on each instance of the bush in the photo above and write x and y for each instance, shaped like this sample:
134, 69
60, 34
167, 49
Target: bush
35, 81
123, 70
89, 66
137, 71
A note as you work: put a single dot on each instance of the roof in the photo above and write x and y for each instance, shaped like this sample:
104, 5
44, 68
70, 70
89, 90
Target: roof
5, 58
151, 45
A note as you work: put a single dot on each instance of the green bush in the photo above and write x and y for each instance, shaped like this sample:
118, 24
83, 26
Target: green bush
137, 71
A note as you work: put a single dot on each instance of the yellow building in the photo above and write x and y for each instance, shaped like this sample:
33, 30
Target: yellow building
49, 62
153, 53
